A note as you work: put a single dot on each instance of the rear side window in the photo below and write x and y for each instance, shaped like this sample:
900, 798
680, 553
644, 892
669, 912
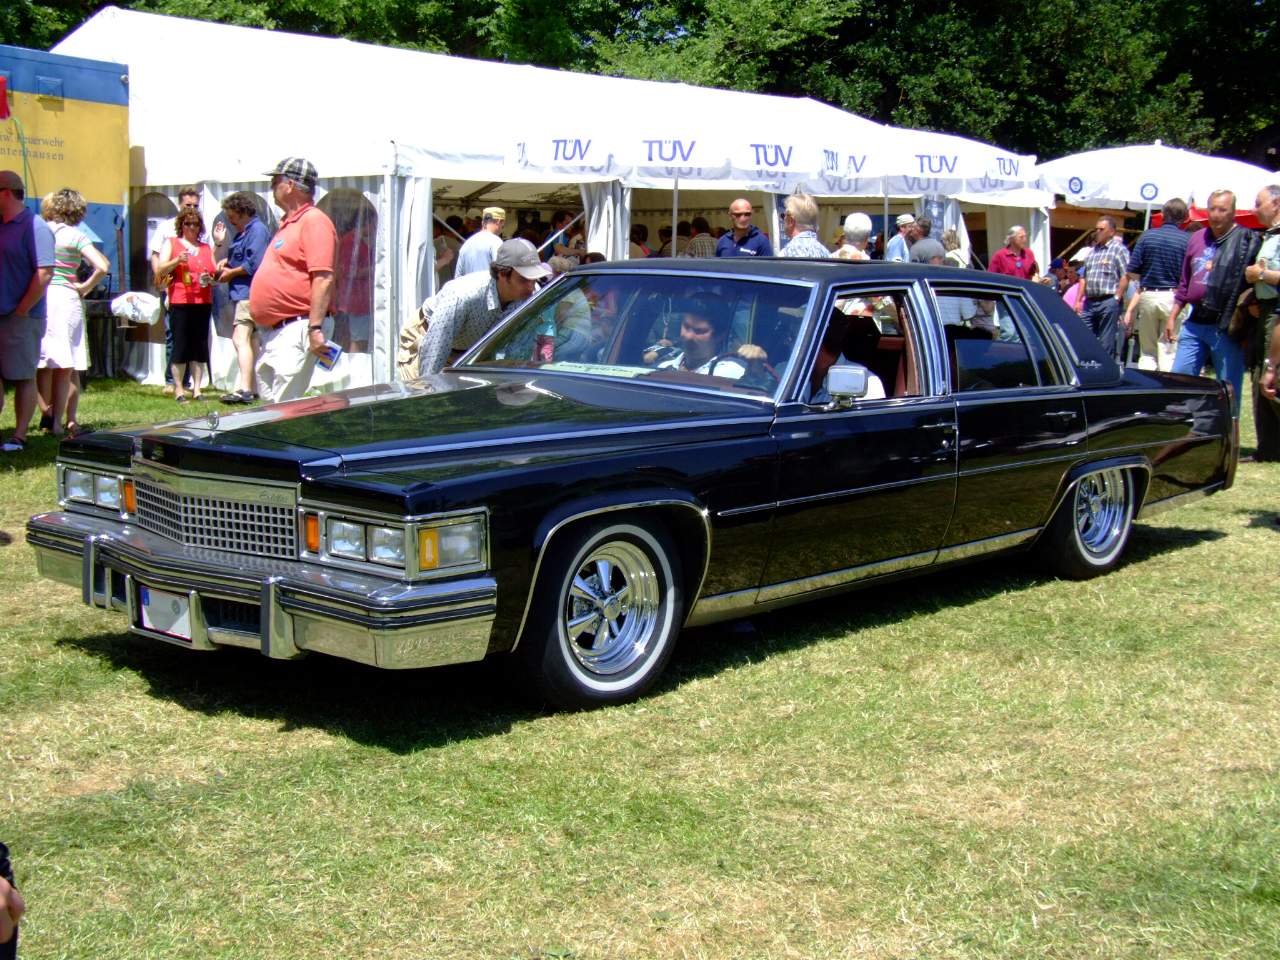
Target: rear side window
991, 343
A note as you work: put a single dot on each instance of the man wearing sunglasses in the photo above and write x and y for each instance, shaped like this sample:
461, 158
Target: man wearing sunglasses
745, 239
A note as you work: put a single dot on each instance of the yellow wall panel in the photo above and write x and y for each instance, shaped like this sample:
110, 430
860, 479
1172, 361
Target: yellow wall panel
70, 143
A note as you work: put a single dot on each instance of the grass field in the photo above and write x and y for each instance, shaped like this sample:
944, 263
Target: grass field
985, 763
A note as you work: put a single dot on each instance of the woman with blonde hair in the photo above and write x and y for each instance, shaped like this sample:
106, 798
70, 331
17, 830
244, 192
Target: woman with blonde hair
64, 351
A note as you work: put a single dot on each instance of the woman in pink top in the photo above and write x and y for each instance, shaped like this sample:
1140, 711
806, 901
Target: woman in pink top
188, 263
63, 350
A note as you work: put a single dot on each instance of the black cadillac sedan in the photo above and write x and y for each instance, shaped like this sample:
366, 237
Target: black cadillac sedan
640, 448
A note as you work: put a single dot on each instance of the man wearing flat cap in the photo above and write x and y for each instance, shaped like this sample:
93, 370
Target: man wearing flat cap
291, 291
26, 267
467, 308
478, 252
899, 248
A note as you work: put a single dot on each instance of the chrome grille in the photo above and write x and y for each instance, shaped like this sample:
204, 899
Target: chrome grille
218, 523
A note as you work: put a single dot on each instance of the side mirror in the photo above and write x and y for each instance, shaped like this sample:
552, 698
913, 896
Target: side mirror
847, 382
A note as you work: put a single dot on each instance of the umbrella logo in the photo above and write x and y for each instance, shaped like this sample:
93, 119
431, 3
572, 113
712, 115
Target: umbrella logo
1149, 191
1075, 185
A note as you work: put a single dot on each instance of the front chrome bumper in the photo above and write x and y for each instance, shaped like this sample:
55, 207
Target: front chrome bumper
282, 608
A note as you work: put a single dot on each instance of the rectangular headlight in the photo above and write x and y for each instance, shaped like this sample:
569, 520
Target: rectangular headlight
386, 545
451, 545
106, 492
346, 539
77, 485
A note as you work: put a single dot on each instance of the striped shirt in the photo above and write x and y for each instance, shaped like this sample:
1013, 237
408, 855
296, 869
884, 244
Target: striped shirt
1157, 257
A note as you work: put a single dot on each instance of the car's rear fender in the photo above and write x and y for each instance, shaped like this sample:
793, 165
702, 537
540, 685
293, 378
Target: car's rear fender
1135, 463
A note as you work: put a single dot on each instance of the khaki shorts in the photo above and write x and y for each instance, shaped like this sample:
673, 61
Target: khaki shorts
242, 318
20, 338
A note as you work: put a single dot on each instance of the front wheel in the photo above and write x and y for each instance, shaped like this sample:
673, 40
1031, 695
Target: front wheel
1092, 526
606, 618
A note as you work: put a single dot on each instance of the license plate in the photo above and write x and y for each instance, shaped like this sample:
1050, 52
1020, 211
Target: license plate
165, 612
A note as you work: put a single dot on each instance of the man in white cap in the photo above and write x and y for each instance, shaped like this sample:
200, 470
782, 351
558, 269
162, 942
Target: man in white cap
26, 267
294, 283
478, 252
467, 308
899, 248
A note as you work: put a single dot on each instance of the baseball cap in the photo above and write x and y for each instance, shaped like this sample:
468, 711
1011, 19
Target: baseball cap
521, 256
905, 218
11, 181
300, 171
494, 213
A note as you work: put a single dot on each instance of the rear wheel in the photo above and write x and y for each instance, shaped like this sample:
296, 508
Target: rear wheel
1091, 528
606, 618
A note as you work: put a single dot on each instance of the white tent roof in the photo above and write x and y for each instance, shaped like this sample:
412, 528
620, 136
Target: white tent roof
1149, 174
358, 109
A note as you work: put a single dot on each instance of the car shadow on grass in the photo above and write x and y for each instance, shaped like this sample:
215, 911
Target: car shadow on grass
400, 711
713, 649
419, 709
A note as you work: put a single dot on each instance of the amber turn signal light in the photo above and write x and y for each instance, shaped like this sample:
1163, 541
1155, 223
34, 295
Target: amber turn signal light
130, 497
312, 530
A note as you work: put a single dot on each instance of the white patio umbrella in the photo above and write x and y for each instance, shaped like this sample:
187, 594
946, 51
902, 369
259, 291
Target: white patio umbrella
1146, 175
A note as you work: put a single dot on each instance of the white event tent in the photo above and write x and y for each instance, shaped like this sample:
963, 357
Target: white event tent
399, 134
1144, 176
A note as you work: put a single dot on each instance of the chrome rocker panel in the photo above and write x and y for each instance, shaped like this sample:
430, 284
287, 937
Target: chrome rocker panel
303, 608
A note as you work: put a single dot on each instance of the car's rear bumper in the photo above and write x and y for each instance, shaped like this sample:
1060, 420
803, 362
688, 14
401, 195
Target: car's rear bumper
282, 608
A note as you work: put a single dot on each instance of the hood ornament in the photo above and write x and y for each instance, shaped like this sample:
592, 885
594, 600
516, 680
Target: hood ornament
213, 419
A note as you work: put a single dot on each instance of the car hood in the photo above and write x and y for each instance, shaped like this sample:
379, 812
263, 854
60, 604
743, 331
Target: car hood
380, 427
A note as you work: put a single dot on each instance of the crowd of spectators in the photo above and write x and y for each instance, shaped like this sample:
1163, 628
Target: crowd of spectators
1181, 300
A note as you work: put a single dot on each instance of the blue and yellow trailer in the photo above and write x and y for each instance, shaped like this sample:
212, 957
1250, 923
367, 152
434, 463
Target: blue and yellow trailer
68, 126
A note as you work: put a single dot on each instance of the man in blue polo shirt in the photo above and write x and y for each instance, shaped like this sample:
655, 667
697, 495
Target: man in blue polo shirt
745, 239
243, 259
1156, 265
26, 267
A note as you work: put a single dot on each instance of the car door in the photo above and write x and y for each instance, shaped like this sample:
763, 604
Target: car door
867, 489
1021, 419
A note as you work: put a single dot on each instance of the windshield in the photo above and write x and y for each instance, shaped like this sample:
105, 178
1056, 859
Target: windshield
733, 335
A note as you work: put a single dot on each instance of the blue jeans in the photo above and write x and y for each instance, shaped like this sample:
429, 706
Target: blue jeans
1200, 344
1102, 315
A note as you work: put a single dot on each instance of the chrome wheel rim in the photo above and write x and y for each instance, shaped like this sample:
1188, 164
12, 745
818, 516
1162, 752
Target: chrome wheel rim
610, 614
1102, 512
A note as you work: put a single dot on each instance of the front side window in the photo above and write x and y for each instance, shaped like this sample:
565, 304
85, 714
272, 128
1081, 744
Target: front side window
723, 334
991, 345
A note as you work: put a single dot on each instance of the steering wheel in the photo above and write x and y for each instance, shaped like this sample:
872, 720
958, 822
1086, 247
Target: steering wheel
768, 382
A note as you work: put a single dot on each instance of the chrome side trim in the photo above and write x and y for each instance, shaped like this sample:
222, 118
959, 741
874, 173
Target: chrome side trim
837, 578
1169, 503
851, 491
976, 548
702, 512
741, 511
722, 606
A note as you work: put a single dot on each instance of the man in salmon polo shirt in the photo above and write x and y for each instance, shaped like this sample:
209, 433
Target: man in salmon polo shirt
291, 292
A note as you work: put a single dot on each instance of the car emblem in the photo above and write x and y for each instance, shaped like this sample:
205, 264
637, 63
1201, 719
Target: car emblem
213, 419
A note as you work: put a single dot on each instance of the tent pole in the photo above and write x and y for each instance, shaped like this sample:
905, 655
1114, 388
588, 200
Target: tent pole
1147, 223
675, 215
884, 239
